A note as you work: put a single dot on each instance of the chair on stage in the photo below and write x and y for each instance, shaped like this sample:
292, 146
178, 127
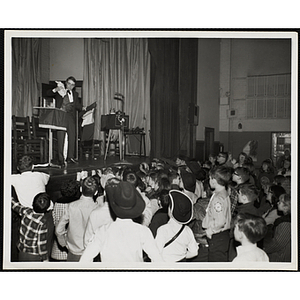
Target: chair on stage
23, 141
40, 133
88, 145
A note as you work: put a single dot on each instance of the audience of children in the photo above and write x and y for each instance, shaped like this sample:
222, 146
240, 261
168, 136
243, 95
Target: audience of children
103, 213
123, 240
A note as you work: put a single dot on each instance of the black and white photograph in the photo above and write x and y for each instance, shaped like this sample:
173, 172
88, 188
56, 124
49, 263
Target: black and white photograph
150, 150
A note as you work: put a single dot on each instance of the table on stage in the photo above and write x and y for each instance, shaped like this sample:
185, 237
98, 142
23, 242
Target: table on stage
52, 119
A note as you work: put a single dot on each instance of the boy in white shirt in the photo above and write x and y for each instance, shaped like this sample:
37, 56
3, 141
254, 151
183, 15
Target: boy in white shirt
174, 240
122, 240
248, 230
28, 184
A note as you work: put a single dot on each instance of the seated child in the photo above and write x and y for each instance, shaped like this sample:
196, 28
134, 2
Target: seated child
240, 175
247, 194
36, 229
28, 183
174, 240
122, 240
248, 230
278, 246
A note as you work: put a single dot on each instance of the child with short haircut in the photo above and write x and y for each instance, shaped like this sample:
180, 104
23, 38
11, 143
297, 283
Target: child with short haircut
27, 184
76, 217
248, 230
247, 194
36, 229
218, 215
175, 241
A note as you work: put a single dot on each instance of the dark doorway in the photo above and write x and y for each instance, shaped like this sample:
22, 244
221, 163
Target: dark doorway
209, 139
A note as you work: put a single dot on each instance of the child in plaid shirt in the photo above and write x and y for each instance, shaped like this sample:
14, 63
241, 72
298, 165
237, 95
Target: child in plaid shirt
36, 229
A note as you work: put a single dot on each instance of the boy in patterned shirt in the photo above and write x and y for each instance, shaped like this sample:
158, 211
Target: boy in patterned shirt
36, 229
218, 215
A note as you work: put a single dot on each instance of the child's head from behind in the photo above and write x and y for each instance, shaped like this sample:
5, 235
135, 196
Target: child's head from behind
188, 181
164, 200
240, 175
41, 203
251, 227
89, 186
247, 193
25, 163
274, 193
220, 175
70, 188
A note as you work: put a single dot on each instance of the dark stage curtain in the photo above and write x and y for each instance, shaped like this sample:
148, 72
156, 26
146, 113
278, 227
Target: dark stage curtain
164, 97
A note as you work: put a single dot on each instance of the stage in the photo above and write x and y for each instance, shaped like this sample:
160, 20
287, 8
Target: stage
57, 175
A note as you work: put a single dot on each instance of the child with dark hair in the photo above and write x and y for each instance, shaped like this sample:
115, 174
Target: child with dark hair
266, 174
161, 217
247, 195
278, 245
240, 176
75, 219
272, 199
37, 181
188, 185
248, 230
218, 215
278, 180
70, 191
36, 229
147, 214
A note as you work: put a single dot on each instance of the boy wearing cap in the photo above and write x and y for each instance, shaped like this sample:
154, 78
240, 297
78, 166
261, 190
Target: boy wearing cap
123, 240
218, 215
174, 240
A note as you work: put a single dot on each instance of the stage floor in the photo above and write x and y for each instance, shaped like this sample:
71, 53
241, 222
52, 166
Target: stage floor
57, 175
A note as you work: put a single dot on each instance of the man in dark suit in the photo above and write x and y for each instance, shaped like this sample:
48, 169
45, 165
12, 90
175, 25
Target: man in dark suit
67, 100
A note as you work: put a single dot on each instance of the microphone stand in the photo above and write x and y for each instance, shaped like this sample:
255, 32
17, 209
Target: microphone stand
121, 119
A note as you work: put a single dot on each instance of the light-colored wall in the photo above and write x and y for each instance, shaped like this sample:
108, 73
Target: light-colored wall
249, 57
66, 58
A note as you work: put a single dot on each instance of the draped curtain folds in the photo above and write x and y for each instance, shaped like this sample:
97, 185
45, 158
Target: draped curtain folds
25, 75
118, 65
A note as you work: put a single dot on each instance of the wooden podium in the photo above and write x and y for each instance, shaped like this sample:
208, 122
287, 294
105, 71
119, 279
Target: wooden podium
52, 119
